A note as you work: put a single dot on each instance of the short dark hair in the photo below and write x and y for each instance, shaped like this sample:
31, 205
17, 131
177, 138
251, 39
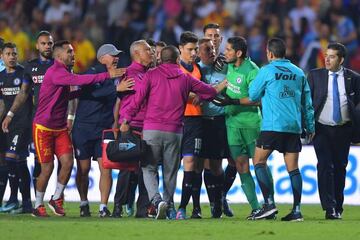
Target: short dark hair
42, 33
211, 25
151, 42
8, 45
239, 43
161, 44
188, 37
169, 54
60, 44
277, 47
340, 48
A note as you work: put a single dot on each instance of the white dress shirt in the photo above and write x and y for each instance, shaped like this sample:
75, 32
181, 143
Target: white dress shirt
326, 115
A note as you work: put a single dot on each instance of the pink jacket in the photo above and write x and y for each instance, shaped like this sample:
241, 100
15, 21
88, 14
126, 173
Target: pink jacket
166, 90
55, 94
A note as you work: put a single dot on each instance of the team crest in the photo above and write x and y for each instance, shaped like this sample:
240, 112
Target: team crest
238, 80
17, 81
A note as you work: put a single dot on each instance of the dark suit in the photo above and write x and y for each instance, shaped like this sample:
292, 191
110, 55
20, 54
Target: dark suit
332, 143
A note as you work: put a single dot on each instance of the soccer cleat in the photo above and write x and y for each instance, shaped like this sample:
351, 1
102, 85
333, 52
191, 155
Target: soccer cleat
85, 211
331, 214
265, 211
10, 205
118, 211
196, 213
23, 209
226, 208
104, 213
129, 209
293, 217
40, 211
151, 211
171, 213
271, 217
161, 210
181, 214
216, 210
252, 214
57, 206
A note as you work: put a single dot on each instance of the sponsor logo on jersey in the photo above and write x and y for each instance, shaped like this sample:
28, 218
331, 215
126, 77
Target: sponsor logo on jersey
282, 76
287, 93
10, 91
38, 79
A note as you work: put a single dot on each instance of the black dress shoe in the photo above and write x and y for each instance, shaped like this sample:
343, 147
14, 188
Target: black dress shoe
331, 214
118, 211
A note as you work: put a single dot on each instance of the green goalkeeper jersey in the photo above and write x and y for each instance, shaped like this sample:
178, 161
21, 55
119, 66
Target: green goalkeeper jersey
239, 79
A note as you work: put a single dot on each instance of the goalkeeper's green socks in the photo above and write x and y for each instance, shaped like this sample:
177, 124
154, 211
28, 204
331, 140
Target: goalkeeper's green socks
248, 186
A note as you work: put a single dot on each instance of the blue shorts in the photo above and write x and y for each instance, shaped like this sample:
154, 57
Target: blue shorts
192, 136
87, 141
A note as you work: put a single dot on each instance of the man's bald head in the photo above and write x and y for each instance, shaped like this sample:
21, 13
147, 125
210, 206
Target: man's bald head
169, 54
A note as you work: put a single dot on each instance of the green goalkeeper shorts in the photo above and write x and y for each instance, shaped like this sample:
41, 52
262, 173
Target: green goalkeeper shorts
242, 141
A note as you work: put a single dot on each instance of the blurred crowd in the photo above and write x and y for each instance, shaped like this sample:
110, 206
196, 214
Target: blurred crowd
306, 25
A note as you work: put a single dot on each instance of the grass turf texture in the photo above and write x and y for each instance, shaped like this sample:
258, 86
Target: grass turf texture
73, 227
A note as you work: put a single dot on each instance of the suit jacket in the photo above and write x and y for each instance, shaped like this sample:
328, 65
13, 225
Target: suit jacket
318, 82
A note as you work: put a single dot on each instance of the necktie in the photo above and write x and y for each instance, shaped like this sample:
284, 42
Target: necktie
336, 100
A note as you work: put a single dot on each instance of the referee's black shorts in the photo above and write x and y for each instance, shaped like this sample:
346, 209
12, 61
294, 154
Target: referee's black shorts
281, 141
214, 140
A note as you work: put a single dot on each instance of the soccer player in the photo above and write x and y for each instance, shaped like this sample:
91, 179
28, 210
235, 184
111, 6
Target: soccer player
212, 31
242, 121
49, 127
159, 46
18, 134
215, 146
3, 166
191, 145
94, 114
142, 58
165, 89
33, 76
286, 101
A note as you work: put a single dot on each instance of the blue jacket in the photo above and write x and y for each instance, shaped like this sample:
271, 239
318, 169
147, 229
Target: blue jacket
96, 102
285, 96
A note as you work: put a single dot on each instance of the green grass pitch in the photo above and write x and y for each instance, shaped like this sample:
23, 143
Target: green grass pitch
26, 227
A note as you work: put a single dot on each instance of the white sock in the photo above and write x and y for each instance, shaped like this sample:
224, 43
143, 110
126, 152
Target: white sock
39, 198
84, 203
59, 190
102, 206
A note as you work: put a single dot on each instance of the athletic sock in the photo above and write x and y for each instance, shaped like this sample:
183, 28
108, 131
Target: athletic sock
209, 184
39, 198
58, 191
296, 185
271, 181
13, 180
24, 180
36, 172
219, 185
264, 182
3, 181
84, 203
102, 206
186, 188
230, 175
195, 190
248, 186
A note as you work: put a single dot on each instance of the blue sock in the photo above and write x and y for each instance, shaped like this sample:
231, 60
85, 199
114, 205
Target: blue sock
296, 185
264, 181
